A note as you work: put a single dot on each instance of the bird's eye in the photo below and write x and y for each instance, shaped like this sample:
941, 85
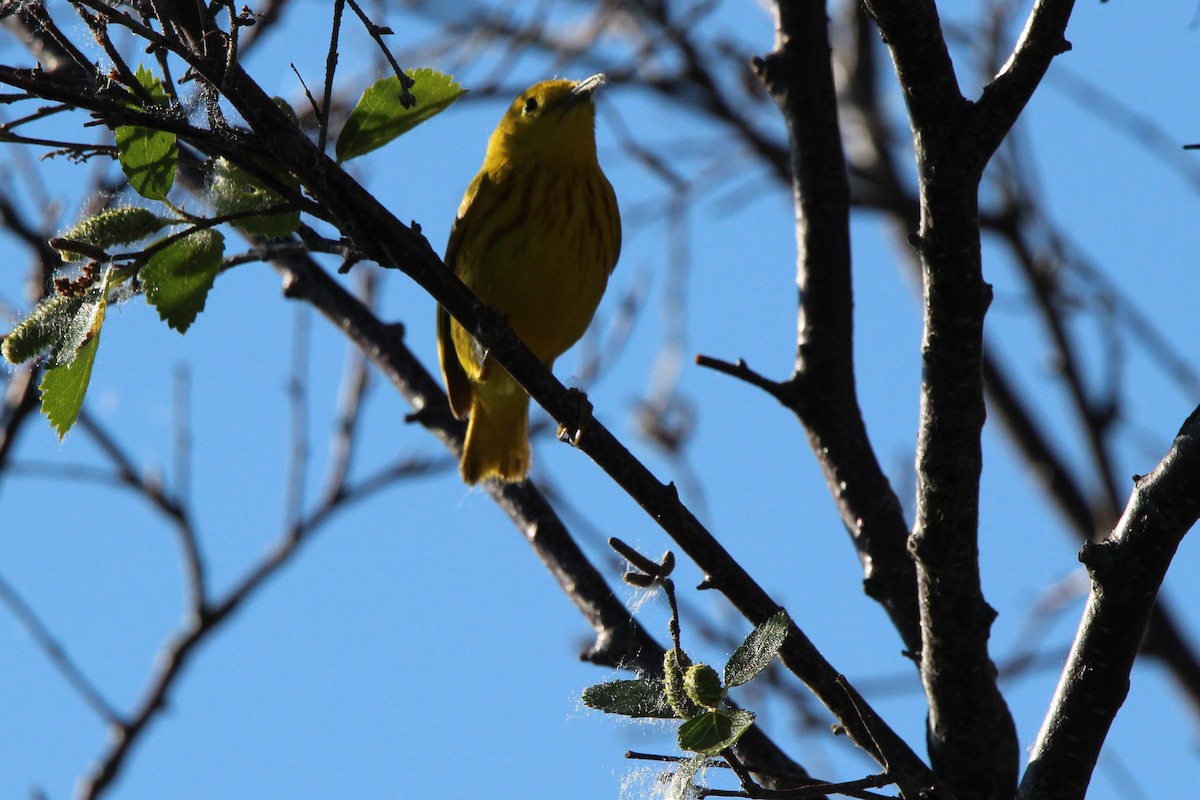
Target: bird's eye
531, 105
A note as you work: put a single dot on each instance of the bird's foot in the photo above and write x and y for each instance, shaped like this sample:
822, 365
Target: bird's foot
580, 413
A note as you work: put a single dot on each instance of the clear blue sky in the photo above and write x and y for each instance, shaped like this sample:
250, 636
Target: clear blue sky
416, 648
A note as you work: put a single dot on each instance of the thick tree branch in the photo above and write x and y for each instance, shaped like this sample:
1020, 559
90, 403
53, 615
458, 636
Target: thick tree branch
971, 734
885, 191
913, 33
1127, 570
821, 391
1004, 99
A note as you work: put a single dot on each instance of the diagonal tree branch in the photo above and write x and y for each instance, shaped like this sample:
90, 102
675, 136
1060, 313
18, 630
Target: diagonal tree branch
621, 641
56, 652
1127, 570
1004, 99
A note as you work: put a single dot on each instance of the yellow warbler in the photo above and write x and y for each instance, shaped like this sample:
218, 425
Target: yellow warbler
536, 236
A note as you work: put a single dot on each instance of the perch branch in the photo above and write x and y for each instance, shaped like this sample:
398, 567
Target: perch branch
1127, 570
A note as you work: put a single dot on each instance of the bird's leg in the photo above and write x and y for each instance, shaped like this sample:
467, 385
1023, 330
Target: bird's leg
493, 323
580, 413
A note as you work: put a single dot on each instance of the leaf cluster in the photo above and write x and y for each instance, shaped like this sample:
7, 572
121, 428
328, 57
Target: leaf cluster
695, 693
177, 271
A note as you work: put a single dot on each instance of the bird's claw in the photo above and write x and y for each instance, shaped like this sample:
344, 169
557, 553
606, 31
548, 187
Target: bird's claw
581, 415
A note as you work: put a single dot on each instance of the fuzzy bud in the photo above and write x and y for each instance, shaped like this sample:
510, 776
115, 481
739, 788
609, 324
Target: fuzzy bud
703, 685
674, 664
114, 226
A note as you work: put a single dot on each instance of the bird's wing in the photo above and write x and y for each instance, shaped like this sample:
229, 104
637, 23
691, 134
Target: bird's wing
458, 385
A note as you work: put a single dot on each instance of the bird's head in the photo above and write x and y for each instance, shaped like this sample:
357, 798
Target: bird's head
549, 121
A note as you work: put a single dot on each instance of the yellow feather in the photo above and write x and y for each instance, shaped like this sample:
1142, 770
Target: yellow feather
536, 236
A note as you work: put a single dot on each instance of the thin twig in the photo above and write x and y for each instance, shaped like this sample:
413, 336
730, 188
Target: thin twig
350, 400
297, 395
57, 654
331, 60
377, 32
181, 424
169, 505
741, 371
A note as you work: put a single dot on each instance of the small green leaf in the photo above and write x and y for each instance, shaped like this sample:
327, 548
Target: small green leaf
378, 118
234, 190
64, 387
634, 698
709, 734
178, 277
148, 156
755, 654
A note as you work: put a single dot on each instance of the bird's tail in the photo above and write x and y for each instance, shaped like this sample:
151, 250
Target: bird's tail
497, 443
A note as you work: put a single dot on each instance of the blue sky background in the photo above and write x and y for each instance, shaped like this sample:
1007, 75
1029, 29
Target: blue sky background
416, 648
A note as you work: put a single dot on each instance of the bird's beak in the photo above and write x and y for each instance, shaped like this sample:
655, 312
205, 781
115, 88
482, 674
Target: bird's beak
588, 86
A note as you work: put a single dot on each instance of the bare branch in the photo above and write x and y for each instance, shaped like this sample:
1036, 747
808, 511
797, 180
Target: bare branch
620, 638
1004, 99
1036, 442
821, 391
1127, 570
297, 394
913, 33
57, 654
971, 733
350, 398
331, 60
170, 506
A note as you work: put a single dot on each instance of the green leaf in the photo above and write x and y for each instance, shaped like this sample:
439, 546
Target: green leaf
709, 734
633, 698
378, 118
178, 277
756, 652
63, 387
148, 157
234, 190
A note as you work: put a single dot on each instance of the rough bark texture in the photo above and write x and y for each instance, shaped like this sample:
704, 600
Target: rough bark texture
1127, 570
